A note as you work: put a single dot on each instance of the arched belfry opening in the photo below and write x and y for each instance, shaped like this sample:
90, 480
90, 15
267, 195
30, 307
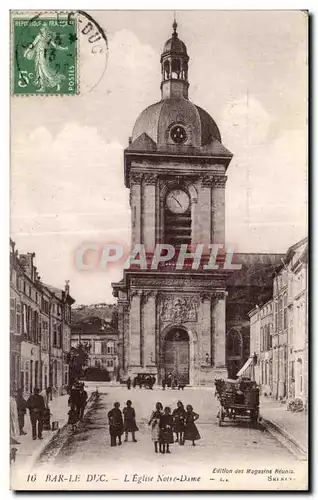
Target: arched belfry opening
177, 354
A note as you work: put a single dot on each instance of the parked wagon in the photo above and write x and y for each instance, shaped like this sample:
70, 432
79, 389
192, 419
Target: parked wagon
239, 400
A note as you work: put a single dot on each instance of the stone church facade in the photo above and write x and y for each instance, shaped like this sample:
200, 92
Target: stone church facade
173, 320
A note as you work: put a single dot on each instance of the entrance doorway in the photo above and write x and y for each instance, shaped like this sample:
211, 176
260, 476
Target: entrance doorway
176, 355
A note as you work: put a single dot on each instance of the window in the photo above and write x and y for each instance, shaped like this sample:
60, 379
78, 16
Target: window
276, 316
12, 313
98, 347
110, 363
110, 348
285, 312
24, 287
262, 339
18, 318
54, 335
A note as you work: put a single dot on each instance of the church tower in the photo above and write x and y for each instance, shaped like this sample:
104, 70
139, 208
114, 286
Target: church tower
171, 319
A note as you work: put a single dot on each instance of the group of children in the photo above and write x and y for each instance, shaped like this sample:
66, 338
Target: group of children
163, 425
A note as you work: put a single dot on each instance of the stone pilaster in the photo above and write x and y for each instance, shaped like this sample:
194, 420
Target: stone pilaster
218, 209
149, 329
205, 328
135, 203
149, 212
134, 330
204, 202
219, 330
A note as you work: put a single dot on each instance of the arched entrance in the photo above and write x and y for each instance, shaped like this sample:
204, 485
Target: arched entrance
176, 354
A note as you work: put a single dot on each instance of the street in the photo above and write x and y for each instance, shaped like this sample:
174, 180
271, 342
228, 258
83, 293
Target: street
87, 449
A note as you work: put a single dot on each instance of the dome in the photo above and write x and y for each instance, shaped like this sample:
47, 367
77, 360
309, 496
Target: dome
158, 119
176, 46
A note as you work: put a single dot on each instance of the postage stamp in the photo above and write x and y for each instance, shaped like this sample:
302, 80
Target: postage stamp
44, 55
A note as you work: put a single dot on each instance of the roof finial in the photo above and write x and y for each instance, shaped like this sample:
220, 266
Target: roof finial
175, 24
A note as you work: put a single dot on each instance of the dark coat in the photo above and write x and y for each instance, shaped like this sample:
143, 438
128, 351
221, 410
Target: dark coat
36, 403
178, 416
130, 419
166, 429
116, 424
21, 405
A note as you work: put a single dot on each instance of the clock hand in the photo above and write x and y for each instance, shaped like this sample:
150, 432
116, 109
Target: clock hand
177, 201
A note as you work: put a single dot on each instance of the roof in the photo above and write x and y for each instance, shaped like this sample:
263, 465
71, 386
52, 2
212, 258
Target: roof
156, 119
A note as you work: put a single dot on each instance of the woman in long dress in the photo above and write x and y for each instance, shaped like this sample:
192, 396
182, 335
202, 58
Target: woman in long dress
14, 421
191, 432
130, 421
46, 76
154, 422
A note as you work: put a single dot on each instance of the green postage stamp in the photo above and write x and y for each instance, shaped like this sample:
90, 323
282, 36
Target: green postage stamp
44, 54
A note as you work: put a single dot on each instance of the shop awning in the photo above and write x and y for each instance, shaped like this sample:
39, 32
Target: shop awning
247, 369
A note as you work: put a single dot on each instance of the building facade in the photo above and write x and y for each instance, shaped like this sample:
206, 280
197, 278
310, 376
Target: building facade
279, 329
102, 338
171, 319
35, 311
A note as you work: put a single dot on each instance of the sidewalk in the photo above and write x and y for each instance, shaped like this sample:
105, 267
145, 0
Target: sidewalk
292, 426
28, 450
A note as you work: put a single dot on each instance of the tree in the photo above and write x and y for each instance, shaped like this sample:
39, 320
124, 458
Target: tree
77, 359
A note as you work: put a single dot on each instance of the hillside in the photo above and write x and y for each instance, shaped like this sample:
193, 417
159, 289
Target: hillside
103, 310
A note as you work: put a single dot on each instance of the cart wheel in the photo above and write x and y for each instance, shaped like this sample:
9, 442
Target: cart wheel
220, 416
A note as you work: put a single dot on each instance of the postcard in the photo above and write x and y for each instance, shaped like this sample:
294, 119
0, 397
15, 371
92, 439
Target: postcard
159, 250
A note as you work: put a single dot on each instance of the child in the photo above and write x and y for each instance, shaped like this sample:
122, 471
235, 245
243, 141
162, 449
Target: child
178, 416
166, 430
130, 421
72, 418
191, 432
154, 422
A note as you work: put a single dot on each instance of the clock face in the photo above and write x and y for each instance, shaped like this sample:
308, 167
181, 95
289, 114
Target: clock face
178, 201
178, 134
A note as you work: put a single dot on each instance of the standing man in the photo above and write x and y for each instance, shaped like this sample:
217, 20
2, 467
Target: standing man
36, 407
128, 383
22, 408
116, 425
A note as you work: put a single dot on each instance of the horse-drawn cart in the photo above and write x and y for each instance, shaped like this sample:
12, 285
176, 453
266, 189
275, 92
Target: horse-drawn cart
239, 400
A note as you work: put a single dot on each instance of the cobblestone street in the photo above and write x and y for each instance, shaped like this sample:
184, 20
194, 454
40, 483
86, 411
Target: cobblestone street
87, 450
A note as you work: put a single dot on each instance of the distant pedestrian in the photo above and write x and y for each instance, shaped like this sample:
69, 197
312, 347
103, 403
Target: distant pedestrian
128, 383
130, 421
134, 382
169, 380
154, 422
21, 408
173, 382
166, 430
178, 416
116, 425
139, 382
14, 419
191, 432
163, 383
36, 407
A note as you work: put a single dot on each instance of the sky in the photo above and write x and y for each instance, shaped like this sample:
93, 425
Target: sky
248, 69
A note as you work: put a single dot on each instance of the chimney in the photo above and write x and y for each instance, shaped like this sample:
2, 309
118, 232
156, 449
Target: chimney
26, 261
